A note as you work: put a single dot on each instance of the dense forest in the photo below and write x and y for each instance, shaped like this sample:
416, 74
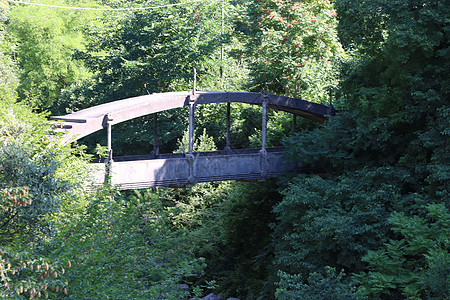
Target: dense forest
375, 224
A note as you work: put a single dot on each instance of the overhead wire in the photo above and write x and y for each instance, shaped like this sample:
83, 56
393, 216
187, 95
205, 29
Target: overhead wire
102, 9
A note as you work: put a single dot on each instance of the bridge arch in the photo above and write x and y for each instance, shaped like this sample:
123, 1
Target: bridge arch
87, 121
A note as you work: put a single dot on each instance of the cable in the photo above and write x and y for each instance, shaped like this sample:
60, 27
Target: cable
101, 9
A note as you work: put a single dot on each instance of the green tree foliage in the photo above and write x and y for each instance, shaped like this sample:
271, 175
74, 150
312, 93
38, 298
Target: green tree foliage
124, 247
8, 79
326, 223
400, 89
407, 47
196, 212
237, 248
139, 52
31, 190
45, 43
417, 262
8, 69
31, 157
25, 275
329, 287
386, 159
290, 45
203, 143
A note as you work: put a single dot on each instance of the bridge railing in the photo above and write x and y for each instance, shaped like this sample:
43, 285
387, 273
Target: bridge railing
176, 170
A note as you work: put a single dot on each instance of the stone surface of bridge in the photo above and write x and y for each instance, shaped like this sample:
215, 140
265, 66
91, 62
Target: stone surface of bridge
156, 169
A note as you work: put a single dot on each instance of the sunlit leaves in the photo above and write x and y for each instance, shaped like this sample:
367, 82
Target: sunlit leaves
125, 247
151, 51
24, 275
46, 40
291, 46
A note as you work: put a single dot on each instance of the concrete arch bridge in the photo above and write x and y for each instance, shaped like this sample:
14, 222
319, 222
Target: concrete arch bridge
185, 169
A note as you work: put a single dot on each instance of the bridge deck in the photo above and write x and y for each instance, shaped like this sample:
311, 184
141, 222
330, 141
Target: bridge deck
135, 172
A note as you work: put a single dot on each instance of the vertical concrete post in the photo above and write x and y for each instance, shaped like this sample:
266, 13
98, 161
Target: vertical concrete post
190, 156
191, 114
155, 135
191, 124
228, 141
264, 122
107, 122
263, 151
109, 132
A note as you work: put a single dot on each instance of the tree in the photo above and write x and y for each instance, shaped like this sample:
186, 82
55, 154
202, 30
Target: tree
31, 190
124, 247
140, 52
8, 69
291, 46
417, 262
387, 148
227, 224
318, 286
31, 158
46, 40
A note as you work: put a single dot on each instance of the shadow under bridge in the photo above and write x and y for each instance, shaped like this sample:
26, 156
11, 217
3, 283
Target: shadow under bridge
184, 169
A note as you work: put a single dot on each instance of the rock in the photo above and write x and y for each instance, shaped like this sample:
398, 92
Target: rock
184, 287
212, 297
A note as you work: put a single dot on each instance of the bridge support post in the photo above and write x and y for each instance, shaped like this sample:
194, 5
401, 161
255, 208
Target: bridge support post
264, 123
228, 140
190, 155
263, 151
155, 150
191, 124
107, 120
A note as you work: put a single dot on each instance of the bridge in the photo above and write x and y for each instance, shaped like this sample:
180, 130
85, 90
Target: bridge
185, 169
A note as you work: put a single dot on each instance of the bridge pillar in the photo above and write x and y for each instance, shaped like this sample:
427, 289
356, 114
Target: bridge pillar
264, 123
155, 150
191, 124
228, 140
190, 155
107, 122
263, 151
